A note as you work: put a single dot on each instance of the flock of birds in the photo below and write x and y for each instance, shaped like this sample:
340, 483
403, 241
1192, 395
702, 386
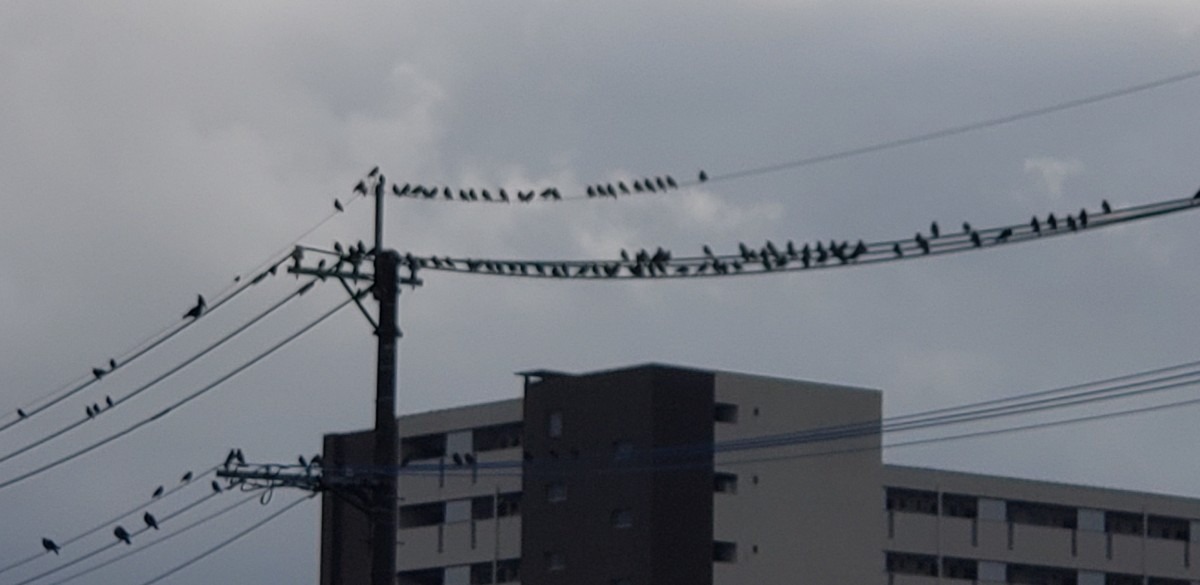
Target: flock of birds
770, 256
655, 184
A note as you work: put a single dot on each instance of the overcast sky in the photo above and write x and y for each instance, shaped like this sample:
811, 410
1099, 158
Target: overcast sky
151, 150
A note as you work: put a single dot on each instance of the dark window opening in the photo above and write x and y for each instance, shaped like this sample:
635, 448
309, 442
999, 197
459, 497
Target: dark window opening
622, 518
423, 447
912, 564
725, 412
960, 506
1038, 514
956, 568
505, 436
1122, 579
724, 552
556, 491
1169, 528
422, 577
422, 515
725, 483
1123, 523
508, 571
622, 450
556, 561
554, 424
915, 501
1037, 575
1167, 581
507, 504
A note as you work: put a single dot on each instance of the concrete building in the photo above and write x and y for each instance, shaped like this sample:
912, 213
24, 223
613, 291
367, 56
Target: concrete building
656, 475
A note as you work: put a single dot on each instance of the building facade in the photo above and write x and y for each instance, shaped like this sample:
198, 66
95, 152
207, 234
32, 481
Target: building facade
658, 475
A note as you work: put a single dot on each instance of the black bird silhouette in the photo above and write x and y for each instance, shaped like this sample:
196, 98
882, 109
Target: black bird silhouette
897, 250
186, 477
360, 188
216, 487
591, 191
661, 183
649, 185
122, 535
302, 460
338, 204
150, 521
703, 176
158, 492
1105, 206
1071, 223
622, 187
109, 401
922, 243
1037, 227
1083, 218
708, 251
98, 373
96, 408
1196, 196
1052, 222
90, 412
469, 459
1004, 235
112, 364
50, 545
458, 460
196, 311
374, 171
933, 230
21, 413
966, 228
975, 239
241, 458
637, 186
399, 191
671, 182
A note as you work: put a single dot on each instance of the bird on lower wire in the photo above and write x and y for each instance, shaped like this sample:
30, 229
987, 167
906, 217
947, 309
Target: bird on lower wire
122, 535
158, 491
50, 545
196, 311
150, 520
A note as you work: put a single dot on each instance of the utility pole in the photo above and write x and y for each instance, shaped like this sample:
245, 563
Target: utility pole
385, 512
375, 493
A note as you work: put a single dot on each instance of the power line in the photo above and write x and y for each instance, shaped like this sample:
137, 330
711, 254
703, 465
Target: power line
104, 548
665, 183
165, 538
120, 400
226, 542
106, 523
661, 264
184, 400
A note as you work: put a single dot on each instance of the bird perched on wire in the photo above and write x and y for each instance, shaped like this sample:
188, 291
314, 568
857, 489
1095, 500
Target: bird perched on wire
1105, 206
150, 520
158, 492
50, 545
98, 372
196, 311
122, 535
186, 477
216, 487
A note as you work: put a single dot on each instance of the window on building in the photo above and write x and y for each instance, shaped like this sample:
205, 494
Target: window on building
1167, 527
960, 506
1122, 579
556, 561
622, 518
725, 483
481, 574
621, 581
1123, 523
486, 507
913, 501
556, 491
1039, 514
956, 568
1039, 575
725, 412
554, 424
724, 552
912, 564
423, 447
458, 511
433, 576
508, 571
1166, 581
422, 515
494, 437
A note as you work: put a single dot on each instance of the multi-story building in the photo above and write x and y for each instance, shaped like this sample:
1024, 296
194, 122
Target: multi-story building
657, 475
